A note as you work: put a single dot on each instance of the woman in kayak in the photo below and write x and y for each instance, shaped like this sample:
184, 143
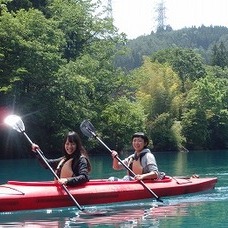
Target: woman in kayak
74, 167
142, 162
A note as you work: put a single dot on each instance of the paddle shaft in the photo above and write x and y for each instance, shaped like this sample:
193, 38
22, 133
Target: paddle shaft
142, 183
53, 172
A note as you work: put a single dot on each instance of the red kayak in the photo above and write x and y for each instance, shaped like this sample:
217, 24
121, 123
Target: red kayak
15, 195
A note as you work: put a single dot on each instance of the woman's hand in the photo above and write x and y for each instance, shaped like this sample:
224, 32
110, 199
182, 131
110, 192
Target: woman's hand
139, 177
114, 154
151, 175
62, 180
35, 147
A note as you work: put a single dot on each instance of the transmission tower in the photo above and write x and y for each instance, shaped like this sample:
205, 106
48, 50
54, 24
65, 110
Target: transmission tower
161, 18
109, 9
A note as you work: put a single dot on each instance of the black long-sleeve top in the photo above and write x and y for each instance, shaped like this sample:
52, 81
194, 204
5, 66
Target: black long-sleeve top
79, 168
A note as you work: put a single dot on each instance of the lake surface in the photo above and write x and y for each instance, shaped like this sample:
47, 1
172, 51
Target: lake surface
205, 209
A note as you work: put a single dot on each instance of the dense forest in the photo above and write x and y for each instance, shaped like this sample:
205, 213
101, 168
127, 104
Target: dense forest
63, 61
203, 40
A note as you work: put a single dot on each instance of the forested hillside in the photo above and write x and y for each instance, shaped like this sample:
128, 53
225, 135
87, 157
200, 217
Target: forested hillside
61, 63
201, 39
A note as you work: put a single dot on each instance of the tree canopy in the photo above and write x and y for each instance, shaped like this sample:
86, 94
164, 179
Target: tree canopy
60, 63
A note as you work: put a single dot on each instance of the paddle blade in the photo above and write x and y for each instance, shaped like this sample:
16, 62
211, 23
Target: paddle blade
87, 128
15, 122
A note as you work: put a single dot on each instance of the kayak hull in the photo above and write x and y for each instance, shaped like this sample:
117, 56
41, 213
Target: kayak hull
16, 195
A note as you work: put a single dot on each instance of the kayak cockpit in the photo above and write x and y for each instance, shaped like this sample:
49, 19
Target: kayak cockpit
91, 182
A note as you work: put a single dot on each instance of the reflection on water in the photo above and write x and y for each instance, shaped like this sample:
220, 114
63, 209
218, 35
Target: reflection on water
138, 214
131, 215
135, 217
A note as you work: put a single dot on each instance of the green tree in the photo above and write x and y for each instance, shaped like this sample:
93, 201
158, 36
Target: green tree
30, 55
121, 119
81, 26
165, 133
219, 56
185, 62
15, 5
195, 128
29, 47
158, 91
84, 88
205, 118
200, 39
54, 92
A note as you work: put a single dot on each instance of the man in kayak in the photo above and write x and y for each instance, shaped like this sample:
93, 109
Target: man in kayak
142, 162
74, 166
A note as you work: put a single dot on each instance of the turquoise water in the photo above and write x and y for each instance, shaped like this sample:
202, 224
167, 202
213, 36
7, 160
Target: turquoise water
205, 209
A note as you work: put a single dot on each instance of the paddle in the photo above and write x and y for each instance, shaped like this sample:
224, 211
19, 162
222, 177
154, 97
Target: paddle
88, 130
17, 124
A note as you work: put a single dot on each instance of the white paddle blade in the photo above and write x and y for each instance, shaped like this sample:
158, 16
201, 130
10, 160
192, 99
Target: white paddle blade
15, 122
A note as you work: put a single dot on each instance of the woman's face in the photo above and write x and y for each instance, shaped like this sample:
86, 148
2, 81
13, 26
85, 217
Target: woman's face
70, 147
138, 144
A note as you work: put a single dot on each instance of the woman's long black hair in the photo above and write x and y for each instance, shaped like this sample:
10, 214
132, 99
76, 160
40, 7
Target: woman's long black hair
72, 136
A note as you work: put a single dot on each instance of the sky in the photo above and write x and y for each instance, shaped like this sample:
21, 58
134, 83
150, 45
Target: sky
137, 17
